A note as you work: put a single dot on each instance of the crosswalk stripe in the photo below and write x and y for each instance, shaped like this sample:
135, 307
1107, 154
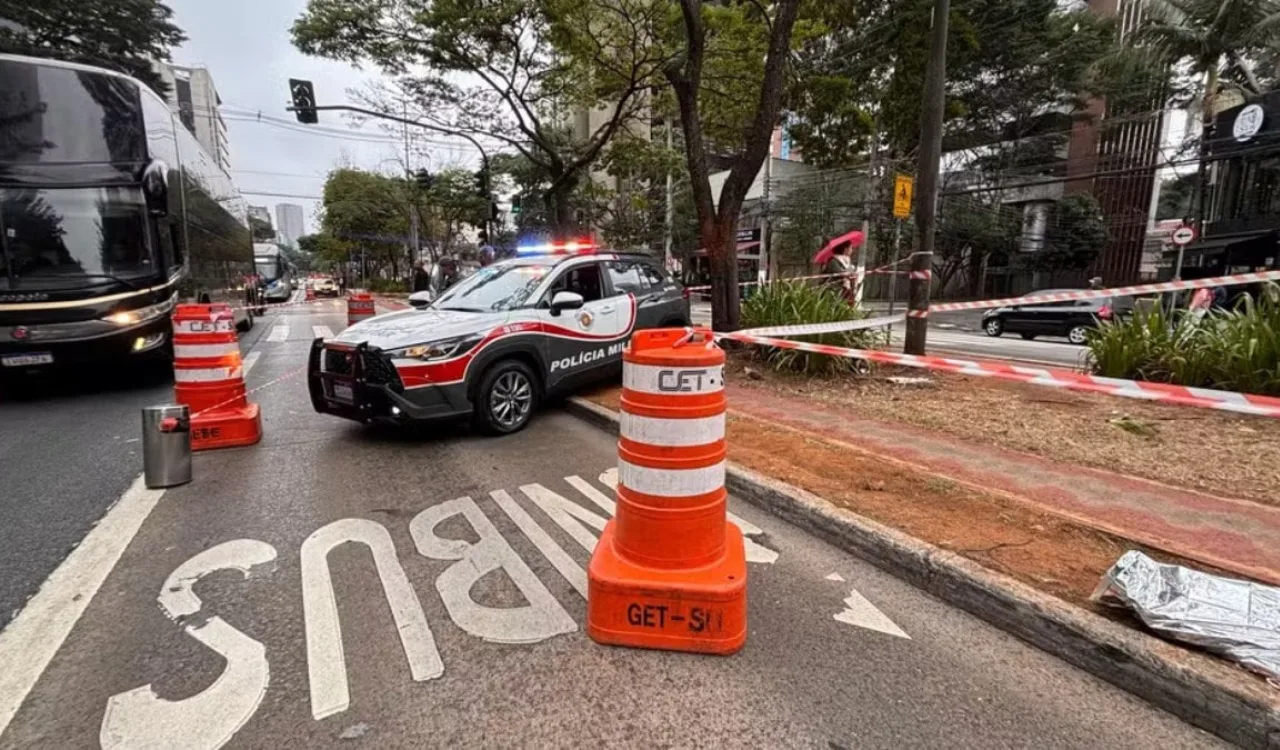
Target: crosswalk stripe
279, 333
322, 332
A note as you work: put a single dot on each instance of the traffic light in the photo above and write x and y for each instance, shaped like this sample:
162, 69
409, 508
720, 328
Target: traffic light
482, 183
424, 179
515, 205
304, 101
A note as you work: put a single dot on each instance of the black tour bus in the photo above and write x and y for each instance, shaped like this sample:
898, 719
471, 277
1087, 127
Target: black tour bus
110, 214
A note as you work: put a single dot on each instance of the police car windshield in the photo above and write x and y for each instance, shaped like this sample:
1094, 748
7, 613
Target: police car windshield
504, 286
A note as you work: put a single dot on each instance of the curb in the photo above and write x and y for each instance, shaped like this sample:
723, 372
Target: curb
1196, 688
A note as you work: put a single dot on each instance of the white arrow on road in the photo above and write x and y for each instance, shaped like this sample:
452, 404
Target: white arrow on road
863, 614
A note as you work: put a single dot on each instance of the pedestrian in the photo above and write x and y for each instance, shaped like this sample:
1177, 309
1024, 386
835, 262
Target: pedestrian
487, 253
422, 276
1095, 282
836, 269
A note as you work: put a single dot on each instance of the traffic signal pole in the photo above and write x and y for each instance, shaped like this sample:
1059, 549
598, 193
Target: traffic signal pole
930, 160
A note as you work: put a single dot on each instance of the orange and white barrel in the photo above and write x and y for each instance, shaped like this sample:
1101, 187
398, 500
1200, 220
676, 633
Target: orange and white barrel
359, 307
207, 369
669, 570
208, 377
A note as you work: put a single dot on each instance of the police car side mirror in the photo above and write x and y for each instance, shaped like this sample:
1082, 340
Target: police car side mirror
565, 301
421, 300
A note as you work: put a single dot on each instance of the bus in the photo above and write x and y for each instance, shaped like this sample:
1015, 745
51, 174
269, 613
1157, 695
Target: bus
110, 214
275, 270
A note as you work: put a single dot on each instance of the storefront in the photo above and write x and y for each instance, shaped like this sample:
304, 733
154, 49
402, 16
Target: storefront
698, 272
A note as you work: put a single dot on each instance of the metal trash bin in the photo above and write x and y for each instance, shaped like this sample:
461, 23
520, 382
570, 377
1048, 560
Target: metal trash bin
166, 446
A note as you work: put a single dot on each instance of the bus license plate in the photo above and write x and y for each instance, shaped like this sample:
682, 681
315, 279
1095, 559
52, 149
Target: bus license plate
343, 392
27, 360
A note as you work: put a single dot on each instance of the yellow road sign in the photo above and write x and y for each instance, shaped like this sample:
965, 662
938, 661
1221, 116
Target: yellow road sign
903, 187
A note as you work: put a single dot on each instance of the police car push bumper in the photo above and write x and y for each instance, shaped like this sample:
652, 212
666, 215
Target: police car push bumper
365, 393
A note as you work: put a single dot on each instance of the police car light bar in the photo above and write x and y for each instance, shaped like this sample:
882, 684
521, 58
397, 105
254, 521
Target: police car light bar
557, 248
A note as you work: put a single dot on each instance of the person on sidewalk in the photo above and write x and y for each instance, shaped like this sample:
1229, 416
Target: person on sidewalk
838, 270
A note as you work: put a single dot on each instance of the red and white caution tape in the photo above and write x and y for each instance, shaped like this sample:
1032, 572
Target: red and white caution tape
251, 391
1242, 403
1121, 291
814, 329
886, 270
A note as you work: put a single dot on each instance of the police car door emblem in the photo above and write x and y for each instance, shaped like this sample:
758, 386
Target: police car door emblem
585, 319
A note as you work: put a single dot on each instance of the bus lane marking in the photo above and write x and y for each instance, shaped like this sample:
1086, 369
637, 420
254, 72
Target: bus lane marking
326, 661
139, 718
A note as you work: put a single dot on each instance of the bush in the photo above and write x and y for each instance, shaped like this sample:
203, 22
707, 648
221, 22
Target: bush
1234, 350
794, 303
386, 286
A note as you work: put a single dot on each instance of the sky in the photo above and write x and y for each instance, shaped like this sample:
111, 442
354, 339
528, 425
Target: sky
246, 46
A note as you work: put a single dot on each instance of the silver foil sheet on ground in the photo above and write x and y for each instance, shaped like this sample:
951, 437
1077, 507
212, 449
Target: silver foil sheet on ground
1236, 619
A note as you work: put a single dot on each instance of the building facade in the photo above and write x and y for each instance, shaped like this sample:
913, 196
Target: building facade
261, 213
290, 223
1115, 154
1241, 228
194, 98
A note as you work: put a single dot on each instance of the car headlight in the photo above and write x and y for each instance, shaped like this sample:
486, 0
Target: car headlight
127, 318
442, 349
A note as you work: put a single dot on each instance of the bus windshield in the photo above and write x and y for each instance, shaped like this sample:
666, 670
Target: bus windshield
59, 238
268, 266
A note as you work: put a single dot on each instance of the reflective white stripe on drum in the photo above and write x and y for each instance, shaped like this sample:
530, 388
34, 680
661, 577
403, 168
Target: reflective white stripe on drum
205, 375
185, 351
672, 433
204, 326
671, 482
673, 380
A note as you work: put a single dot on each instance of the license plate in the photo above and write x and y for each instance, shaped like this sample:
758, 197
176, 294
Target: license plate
27, 360
343, 392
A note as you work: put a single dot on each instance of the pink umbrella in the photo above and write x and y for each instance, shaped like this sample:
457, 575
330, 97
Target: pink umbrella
854, 238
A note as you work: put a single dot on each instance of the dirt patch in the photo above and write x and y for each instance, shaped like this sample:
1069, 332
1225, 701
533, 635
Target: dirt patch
1053, 555
1215, 452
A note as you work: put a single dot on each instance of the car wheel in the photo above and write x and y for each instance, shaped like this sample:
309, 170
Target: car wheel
1029, 336
1078, 335
993, 327
506, 398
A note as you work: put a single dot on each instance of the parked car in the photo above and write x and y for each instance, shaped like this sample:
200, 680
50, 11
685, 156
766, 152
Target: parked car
1072, 319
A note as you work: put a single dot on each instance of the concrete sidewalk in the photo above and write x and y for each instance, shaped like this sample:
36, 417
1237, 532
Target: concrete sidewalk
1235, 535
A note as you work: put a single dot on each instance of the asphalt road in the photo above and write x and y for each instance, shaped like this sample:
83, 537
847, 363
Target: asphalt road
338, 585
959, 334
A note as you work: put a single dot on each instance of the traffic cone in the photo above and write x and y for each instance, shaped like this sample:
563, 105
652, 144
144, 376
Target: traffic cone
208, 377
311, 294
669, 571
359, 307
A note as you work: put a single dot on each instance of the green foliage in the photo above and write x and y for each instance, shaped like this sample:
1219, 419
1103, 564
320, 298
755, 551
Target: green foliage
1235, 350
1012, 66
1074, 237
1221, 39
124, 35
506, 70
1176, 195
379, 285
971, 230
793, 303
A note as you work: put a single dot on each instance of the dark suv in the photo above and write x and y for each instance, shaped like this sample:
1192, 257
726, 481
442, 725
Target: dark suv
1072, 319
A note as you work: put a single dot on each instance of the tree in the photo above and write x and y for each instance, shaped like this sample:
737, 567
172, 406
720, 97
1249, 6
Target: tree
451, 203
365, 210
971, 230
1014, 68
721, 42
1074, 237
516, 71
125, 35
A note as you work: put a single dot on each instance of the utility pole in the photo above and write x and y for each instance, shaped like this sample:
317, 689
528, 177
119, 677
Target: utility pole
930, 161
766, 239
670, 218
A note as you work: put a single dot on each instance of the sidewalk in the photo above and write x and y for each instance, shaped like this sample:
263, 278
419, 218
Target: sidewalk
1239, 536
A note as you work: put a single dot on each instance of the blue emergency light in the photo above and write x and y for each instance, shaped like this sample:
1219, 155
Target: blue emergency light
556, 248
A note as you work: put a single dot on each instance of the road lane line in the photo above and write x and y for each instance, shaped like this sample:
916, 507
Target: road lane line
279, 333
35, 635
250, 360
322, 332
555, 554
861, 613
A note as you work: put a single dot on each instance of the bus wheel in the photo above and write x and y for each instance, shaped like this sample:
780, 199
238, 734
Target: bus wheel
246, 325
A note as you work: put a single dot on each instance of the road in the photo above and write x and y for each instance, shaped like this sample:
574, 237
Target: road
958, 334
338, 584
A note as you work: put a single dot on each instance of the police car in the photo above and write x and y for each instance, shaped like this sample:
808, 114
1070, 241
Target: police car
548, 321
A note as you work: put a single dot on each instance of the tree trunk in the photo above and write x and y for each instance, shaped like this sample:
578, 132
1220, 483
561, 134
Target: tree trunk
719, 237
559, 199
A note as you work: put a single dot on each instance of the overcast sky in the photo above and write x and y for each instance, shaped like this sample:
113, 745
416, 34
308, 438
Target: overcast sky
245, 45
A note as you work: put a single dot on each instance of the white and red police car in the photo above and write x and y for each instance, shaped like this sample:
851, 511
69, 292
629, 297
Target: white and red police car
499, 342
